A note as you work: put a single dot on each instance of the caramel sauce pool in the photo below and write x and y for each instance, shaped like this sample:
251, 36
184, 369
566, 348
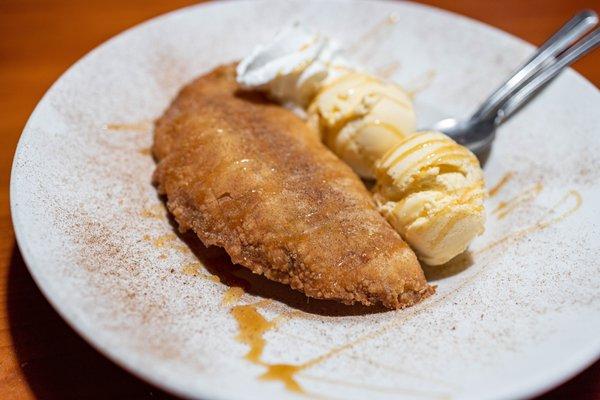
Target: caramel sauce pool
252, 327
285, 374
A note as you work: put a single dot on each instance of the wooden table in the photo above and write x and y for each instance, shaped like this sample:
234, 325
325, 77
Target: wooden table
40, 356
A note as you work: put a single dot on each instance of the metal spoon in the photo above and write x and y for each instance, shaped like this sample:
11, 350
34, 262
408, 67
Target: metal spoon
562, 49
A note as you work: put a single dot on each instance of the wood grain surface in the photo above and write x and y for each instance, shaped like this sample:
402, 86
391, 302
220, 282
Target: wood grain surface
40, 356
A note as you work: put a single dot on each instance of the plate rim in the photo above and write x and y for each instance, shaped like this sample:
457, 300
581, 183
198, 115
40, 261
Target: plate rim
533, 387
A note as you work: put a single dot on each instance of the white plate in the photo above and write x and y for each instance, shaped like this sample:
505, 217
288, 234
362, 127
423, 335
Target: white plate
522, 317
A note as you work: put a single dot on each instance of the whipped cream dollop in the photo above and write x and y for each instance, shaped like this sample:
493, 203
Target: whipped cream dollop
293, 66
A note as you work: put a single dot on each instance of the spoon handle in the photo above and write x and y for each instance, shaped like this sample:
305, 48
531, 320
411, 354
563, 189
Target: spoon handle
532, 87
574, 29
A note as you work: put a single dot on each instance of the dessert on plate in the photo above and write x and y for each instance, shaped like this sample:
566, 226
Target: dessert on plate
248, 175
264, 159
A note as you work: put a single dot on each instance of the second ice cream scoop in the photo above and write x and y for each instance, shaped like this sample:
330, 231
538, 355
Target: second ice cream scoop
431, 191
360, 118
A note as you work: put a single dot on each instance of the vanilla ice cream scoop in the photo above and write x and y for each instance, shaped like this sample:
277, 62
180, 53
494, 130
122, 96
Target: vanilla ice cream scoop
431, 190
360, 118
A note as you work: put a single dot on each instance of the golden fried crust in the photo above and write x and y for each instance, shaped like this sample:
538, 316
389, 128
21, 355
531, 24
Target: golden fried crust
249, 176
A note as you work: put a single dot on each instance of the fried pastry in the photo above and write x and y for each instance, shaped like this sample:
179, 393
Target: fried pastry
249, 176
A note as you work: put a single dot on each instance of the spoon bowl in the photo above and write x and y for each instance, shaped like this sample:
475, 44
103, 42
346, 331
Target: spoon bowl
564, 47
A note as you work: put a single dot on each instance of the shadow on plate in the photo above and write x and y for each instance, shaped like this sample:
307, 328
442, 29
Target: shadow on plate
453, 267
217, 262
484, 154
55, 361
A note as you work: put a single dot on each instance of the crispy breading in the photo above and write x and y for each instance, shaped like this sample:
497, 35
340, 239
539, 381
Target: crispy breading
249, 176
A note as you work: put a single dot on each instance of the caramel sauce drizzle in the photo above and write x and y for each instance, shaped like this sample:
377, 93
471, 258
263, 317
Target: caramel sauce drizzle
140, 126
506, 207
448, 226
371, 361
399, 102
376, 388
421, 83
372, 36
155, 212
414, 148
385, 159
501, 183
252, 327
368, 44
385, 125
542, 223
145, 151
388, 70
360, 80
441, 155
